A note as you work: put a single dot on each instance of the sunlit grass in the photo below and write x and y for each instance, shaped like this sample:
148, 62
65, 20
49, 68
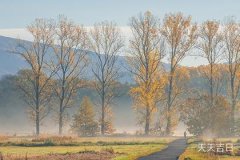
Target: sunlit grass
126, 148
126, 152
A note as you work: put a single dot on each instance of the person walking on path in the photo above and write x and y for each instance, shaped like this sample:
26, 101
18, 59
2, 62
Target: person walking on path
185, 134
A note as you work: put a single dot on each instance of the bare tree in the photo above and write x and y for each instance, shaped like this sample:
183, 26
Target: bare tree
231, 38
106, 43
35, 84
210, 44
180, 36
70, 59
146, 49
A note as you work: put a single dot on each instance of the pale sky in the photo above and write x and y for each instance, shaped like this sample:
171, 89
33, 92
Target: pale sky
19, 13
16, 15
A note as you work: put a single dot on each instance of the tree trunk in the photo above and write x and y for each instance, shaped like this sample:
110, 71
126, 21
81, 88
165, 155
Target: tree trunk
37, 122
168, 128
233, 119
233, 105
60, 121
211, 85
37, 106
169, 101
61, 106
147, 124
103, 115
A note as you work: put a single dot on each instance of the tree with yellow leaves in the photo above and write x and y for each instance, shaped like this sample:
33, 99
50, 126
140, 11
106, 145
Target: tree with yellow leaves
146, 51
180, 36
180, 91
148, 92
84, 122
201, 120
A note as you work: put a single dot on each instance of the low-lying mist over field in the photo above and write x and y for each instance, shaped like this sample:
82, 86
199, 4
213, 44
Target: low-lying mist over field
71, 79
120, 80
14, 118
13, 110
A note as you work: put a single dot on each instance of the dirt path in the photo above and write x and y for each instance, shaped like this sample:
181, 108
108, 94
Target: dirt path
172, 152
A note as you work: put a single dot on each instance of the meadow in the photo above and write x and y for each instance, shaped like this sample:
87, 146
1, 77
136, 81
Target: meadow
54, 147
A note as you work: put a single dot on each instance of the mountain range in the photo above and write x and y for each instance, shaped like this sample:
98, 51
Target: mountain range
11, 63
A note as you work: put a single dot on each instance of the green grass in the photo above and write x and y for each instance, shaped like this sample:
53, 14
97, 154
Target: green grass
134, 152
126, 148
126, 152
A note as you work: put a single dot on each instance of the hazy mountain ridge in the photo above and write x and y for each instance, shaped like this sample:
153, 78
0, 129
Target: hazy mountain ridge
12, 105
11, 64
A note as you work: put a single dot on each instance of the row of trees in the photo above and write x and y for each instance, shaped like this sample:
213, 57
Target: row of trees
60, 53
169, 91
57, 59
150, 44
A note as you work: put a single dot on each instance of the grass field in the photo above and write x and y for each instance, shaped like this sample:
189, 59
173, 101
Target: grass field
191, 153
123, 148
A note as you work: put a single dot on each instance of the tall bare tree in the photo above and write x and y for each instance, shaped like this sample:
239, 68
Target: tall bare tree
106, 43
180, 35
35, 84
211, 47
70, 59
210, 44
146, 49
231, 38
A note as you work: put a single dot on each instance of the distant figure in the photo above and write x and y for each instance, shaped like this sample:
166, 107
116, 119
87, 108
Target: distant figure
185, 134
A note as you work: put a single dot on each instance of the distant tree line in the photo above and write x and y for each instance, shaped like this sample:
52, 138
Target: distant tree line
58, 57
